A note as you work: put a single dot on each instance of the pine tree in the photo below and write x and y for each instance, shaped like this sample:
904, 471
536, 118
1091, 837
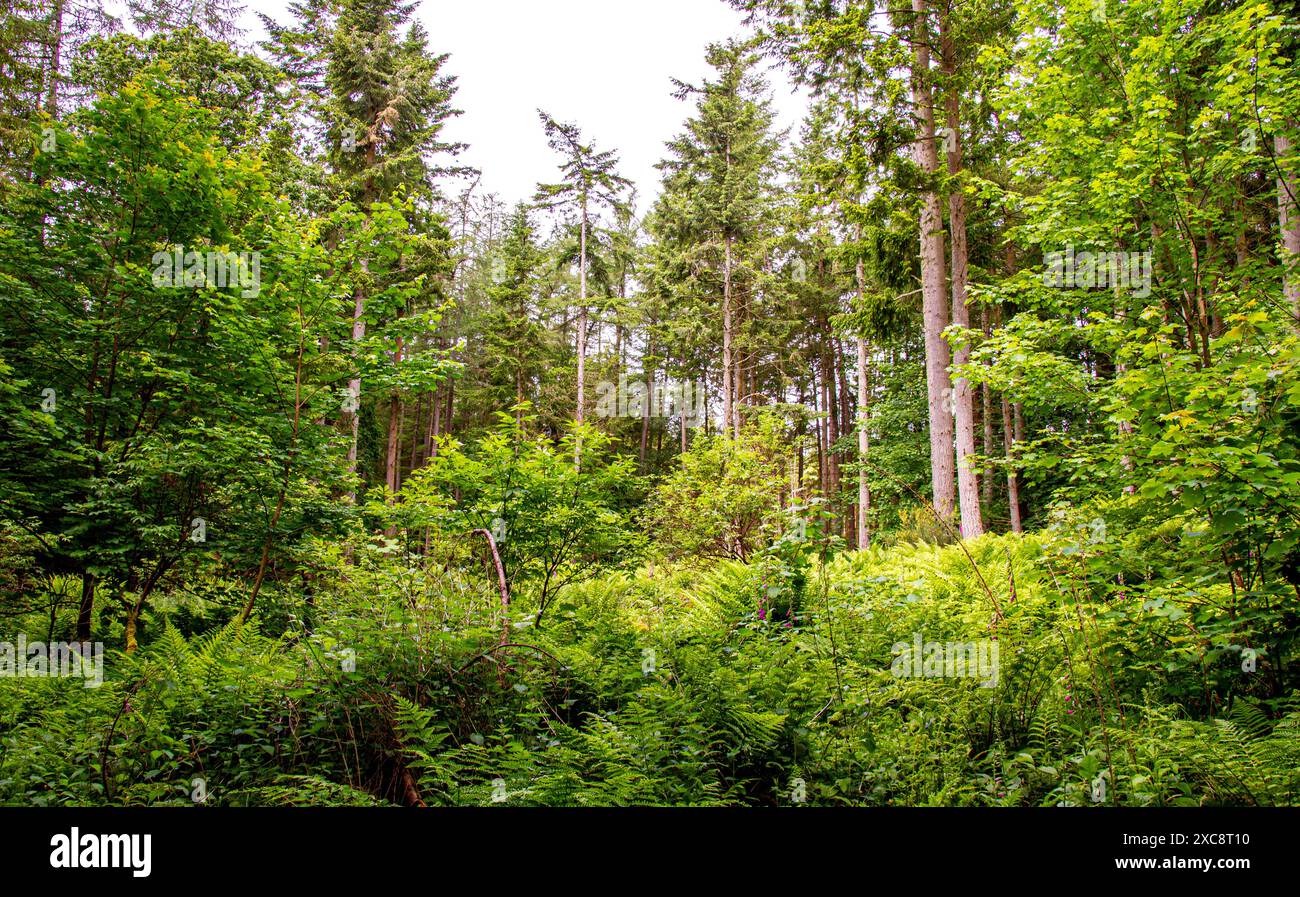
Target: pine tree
513, 337
218, 19
718, 194
23, 38
590, 183
383, 100
963, 396
933, 276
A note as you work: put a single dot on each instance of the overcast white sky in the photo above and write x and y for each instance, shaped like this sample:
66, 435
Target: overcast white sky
604, 64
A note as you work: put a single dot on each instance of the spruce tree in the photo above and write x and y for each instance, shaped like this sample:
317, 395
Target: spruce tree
719, 185
590, 182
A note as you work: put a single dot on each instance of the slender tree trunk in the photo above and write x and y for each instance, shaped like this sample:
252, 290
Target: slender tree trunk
648, 372
580, 414
796, 470
843, 422
645, 420
986, 417
354, 384
864, 418
832, 427
935, 306
56, 60
963, 395
1018, 416
392, 472
392, 461
842, 375
798, 457
728, 371
708, 414
1288, 214
502, 585
359, 326
417, 436
819, 386
451, 408
1013, 480
131, 629
435, 421
519, 397
864, 441
86, 607
695, 397
51, 91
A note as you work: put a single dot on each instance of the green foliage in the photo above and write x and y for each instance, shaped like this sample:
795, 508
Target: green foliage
725, 498
553, 521
663, 687
345, 538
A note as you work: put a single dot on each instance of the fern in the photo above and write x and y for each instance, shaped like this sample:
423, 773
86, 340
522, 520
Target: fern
1240, 758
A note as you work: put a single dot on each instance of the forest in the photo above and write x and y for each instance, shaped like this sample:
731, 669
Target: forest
942, 449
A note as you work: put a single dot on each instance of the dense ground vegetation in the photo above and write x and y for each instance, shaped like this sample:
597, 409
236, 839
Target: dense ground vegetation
945, 452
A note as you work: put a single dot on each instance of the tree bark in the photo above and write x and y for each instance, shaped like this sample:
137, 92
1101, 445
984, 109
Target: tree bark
832, 422
501, 583
354, 384
986, 418
1013, 480
864, 441
417, 435
56, 60
391, 467
1288, 214
728, 371
648, 397
86, 608
580, 414
935, 306
435, 422
963, 395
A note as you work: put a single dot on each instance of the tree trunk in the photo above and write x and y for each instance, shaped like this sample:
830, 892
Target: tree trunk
986, 417
581, 413
728, 371
684, 413
963, 395
648, 372
797, 494
417, 435
354, 384
1288, 214
1013, 481
86, 608
935, 306
648, 397
864, 441
832, 423
819, 387
56, 60
501, 584
864, 406
451, 408
391, 468
435, 421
